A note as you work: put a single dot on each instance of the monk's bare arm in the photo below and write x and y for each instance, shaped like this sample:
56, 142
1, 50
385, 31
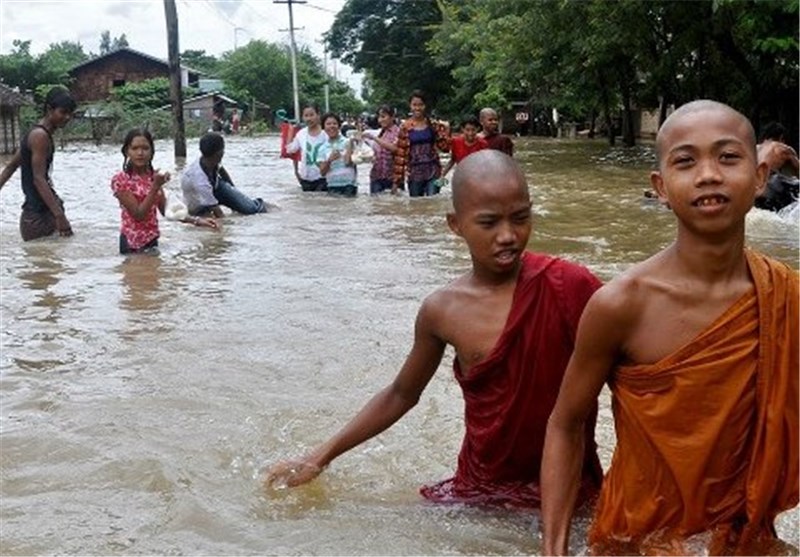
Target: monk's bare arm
10, 168
601, 331
383, 410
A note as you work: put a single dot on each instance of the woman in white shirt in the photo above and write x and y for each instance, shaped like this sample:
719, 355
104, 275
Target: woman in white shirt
308, 141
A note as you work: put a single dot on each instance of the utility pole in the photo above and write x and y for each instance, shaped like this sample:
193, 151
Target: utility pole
293, 54
326, 87
175, 93
235, 31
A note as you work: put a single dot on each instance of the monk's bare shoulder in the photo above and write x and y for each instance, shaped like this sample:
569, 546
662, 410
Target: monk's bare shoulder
622, 301
443, 304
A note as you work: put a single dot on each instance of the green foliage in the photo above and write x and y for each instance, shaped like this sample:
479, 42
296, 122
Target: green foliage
263, 70
107, 44
19, 68
387, 39
200, 61
41, 91
259, 69
595, 56
148, 94
56, 62
23, 70
312, 80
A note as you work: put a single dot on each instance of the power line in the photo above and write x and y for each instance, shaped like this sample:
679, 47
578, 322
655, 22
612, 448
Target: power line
320, 8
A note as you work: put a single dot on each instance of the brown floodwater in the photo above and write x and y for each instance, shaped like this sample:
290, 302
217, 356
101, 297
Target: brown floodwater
141, 396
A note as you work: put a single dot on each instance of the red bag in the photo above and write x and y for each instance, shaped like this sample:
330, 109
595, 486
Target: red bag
286, 128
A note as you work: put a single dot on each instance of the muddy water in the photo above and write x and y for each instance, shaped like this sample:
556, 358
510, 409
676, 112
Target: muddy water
141, 395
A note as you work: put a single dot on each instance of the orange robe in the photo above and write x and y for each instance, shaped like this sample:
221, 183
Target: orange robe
707, 438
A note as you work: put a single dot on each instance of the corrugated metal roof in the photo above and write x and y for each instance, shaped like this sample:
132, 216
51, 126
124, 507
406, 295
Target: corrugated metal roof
135, 53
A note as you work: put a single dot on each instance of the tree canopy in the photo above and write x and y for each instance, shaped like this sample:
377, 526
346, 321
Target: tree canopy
586, 58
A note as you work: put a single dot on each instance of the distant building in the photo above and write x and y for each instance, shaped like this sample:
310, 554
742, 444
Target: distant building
96, 79
10, 132
201, 107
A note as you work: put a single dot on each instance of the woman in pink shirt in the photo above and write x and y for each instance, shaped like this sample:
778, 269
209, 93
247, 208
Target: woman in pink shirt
138, 189
384, 144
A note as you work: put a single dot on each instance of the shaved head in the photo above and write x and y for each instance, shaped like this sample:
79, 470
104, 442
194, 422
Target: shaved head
701, 106
480, 170
486, 112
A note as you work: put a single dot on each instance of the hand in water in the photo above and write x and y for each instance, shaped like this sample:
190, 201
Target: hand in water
291, 473
208, 223
63, 226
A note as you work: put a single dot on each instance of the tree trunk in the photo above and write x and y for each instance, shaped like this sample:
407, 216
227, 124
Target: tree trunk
175, 93
666, 100
612, 136
628, 133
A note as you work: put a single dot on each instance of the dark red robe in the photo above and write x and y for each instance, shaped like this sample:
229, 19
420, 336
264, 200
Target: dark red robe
509, 395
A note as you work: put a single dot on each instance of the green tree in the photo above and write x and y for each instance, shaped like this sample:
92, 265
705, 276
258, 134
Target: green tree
56, 62
144, 95
259, 70
598, 57
19, 68
262, 70
107, 44
387, 40
200, 61
312, 79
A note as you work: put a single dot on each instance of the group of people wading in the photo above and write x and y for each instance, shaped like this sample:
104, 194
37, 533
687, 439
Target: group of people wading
406, 154
698, 344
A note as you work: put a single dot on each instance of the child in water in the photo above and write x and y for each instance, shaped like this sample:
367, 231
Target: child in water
138, 189
334, 159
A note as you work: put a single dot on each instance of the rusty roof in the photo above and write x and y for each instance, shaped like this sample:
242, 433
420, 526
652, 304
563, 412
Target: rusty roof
11, 97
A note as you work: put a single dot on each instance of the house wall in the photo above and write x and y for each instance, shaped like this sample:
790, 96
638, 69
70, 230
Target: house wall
94, 82
200, 109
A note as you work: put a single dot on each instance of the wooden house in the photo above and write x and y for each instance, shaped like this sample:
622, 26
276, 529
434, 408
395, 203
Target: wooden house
95, 79
201, 107
10, 131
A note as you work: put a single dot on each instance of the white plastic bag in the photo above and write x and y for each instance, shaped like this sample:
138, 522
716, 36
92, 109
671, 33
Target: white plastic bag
362, 153
175, 208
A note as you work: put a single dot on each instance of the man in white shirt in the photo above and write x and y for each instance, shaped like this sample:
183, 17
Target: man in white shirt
207, 185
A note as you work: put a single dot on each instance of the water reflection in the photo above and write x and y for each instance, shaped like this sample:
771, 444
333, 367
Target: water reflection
42, 275
141, 277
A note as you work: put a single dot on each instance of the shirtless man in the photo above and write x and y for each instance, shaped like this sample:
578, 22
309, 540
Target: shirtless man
43, 211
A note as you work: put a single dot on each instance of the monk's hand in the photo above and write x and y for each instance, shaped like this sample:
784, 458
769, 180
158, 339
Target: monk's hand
291, 473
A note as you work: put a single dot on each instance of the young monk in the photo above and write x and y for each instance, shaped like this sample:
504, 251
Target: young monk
699, 345
512, 320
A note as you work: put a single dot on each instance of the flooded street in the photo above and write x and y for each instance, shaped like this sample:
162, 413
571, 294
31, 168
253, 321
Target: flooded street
141, 396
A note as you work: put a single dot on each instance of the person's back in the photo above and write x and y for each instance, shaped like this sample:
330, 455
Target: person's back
511, 320
699, 345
